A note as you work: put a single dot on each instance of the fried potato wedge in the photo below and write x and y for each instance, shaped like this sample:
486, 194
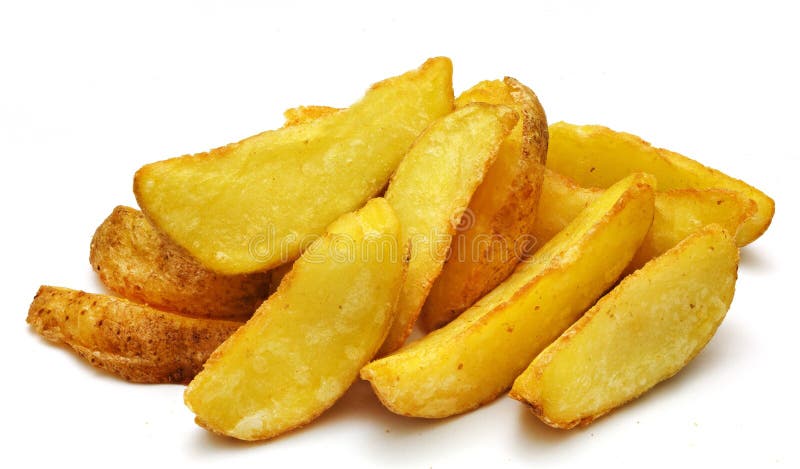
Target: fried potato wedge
137, 262
129, 340
304, 346
253, 205
476, 357
641, 333
496, 230
596, 156
678, 213
430, 191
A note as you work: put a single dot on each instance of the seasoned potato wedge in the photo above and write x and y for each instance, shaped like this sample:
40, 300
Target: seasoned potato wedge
431, 189
641, 333
678, 213
499, 221
476, 357
139, 263
255, 204
132, 341
596, 156
304, 346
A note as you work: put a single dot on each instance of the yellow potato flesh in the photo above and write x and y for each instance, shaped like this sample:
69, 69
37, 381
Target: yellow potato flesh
305, 345
429, 192
476, 357
256, 204
678, 213
644, 331
498, 224
596, 156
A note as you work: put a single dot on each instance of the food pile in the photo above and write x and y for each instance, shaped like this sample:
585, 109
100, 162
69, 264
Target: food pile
573, 267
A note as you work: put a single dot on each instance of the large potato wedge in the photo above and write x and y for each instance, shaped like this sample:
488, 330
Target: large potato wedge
678, 213
476, 357
256, 204
596, 156
304, 346
641, 333
499, 221
137, 262
135, 342
430, 191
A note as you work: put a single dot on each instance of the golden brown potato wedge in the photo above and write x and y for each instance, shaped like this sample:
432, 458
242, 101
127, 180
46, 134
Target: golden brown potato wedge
135, 342
253, 205
139, 263
641, 333
678, 213
430, 191
476, 357
596, 156
499, 221
304, 346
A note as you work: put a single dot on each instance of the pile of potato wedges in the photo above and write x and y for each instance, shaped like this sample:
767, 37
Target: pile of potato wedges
570, 267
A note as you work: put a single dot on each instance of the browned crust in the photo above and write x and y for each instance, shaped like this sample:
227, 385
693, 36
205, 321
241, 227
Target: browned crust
137, 262
134, 342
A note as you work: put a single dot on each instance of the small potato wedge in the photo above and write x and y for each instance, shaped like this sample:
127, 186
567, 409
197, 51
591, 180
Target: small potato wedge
132, 341
641, 333
137, 262
302, 114
497, 227
304, 346
430, 191
596, 156
476, 357
253, 205
678, 213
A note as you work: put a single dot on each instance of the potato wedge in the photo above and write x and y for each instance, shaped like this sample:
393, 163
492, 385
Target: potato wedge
253, 205
678, 213
476, 357
501, 214
641, 333
430, 191
596, 156
137, 262
132, 341
302, 114
304, 346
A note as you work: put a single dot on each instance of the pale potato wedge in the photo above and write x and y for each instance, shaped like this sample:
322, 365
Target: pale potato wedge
253, 205
678, 213
497, 227
596, 156
137, 262
129, 340
641, 333
476, 357
430, 191
304, 346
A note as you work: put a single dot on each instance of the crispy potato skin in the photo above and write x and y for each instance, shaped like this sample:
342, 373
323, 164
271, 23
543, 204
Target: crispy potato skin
597, 156
641, 333
476, 357
501, 213
135, 342
137, 262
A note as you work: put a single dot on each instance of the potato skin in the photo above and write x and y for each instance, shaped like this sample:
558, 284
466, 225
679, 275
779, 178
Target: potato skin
134, 342
137, 262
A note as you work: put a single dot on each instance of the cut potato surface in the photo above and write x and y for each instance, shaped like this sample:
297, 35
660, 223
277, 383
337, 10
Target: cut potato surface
132, 341
137, 262
303, 347
644, 331
258, 203
430, 191
476, 357
596, 156
497, 227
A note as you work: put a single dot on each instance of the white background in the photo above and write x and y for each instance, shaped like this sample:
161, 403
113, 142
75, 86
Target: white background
89, 92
